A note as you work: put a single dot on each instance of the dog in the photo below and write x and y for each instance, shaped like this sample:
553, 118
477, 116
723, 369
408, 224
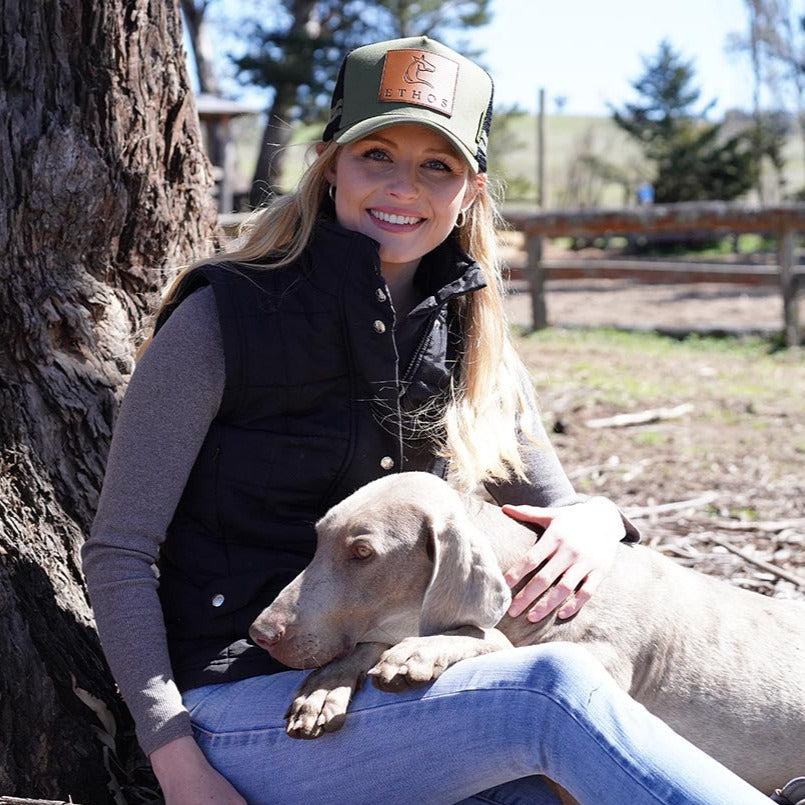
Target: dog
406, 580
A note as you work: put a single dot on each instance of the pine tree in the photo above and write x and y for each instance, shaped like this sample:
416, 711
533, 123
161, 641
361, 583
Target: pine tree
694, 160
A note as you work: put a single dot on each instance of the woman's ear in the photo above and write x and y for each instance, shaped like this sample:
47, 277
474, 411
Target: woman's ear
475, 184
330, 173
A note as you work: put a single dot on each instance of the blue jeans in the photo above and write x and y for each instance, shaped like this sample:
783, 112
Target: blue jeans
480, 733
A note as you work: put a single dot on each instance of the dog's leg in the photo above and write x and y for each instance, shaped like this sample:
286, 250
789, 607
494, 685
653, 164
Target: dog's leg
417, 660
320, 704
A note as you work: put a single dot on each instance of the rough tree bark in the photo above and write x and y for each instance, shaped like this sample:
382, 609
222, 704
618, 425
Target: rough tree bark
103, 189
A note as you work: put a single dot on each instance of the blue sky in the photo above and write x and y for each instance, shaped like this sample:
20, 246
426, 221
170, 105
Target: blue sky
590, 51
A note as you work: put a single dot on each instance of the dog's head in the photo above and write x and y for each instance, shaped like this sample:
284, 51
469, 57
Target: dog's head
397, 558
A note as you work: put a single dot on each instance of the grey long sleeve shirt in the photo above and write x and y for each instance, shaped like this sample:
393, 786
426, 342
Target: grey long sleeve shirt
170, 402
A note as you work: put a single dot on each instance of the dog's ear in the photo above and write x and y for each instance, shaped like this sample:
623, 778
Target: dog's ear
466, 586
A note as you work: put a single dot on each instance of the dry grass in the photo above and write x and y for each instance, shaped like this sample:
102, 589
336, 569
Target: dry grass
739, 453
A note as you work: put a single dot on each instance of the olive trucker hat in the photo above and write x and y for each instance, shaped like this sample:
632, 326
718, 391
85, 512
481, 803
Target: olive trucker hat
413, 80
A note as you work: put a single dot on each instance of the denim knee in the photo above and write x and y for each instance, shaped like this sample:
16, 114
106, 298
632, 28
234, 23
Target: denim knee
564, 666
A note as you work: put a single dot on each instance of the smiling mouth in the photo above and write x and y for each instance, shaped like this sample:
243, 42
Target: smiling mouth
391, 218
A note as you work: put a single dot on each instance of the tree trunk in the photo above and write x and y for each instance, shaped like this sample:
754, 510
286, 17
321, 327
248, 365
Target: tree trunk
277, 133
276, 136
103, 189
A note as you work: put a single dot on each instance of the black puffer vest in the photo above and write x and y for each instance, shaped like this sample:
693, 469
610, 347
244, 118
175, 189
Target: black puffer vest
318, 383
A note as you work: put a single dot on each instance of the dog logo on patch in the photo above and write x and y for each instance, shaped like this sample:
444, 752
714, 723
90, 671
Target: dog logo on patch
420, 78
417, 69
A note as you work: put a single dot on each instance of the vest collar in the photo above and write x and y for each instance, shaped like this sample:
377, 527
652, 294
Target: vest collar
444, 273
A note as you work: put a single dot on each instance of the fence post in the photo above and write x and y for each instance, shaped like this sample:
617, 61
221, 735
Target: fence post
788, 288
536, 282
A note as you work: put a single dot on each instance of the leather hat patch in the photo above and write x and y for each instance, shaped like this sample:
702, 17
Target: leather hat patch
419, 77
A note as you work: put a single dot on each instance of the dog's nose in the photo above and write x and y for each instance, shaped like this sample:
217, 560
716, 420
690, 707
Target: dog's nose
266, 636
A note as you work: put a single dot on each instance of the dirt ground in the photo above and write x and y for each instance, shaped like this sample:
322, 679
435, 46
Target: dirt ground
721, 484
674, 308
701, 307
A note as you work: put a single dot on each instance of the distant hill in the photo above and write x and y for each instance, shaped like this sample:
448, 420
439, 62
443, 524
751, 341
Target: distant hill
591, 162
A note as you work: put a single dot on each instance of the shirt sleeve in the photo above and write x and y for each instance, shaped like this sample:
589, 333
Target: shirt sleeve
546, 482
172, 397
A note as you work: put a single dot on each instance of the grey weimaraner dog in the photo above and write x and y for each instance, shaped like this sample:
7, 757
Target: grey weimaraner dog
409, 563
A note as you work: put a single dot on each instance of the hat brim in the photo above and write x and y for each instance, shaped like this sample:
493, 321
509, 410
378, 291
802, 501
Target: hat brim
364, 128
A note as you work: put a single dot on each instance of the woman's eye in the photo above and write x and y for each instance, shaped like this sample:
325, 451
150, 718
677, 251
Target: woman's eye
377, 154
437, 164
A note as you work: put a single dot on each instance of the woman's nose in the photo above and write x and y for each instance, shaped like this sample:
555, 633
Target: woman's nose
404, 183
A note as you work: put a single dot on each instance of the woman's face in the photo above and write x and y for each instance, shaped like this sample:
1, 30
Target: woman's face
403, 186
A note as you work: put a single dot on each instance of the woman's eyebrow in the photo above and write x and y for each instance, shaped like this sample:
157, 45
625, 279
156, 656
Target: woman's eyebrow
379, 138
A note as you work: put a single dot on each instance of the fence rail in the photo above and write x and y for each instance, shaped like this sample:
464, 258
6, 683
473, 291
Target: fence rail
657, 271
783, 222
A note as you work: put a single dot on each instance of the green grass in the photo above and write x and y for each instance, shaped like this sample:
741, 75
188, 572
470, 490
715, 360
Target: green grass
649, 343
621, 369
649, 438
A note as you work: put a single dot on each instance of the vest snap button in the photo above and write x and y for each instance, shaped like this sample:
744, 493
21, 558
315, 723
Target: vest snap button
387, 462
381, 295
380, 327
218, 600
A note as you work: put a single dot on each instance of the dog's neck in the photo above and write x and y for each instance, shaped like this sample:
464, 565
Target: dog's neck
509, 538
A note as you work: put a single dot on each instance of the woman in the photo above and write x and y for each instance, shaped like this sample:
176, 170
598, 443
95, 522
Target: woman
352, 336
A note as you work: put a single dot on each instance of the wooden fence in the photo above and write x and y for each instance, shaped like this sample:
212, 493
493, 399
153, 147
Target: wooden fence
783, 222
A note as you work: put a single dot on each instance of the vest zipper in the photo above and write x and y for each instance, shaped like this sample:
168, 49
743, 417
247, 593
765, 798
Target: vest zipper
217, 475
416, 358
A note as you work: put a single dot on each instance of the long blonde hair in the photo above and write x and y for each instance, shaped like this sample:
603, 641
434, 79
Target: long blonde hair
487, 406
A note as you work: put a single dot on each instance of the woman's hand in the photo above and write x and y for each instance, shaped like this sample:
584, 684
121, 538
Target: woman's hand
574, 554
186, 778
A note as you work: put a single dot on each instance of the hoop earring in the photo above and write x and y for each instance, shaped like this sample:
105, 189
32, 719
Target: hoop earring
461, 220
331, 193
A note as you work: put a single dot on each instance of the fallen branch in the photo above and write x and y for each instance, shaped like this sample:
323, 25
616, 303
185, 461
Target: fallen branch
765, 526
640, 417
636, 512
747, 557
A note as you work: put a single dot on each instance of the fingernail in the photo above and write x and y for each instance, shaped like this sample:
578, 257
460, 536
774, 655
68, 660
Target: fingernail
534, 616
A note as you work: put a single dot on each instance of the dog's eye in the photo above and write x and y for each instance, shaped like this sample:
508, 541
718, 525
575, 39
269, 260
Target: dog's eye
362, 550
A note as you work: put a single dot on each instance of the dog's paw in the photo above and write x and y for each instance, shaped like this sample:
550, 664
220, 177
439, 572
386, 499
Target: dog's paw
316, 710
320, 705
413, 661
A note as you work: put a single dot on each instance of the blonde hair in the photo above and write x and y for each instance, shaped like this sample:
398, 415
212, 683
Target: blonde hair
478, 429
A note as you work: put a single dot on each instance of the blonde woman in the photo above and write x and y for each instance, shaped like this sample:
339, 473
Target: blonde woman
357, 332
